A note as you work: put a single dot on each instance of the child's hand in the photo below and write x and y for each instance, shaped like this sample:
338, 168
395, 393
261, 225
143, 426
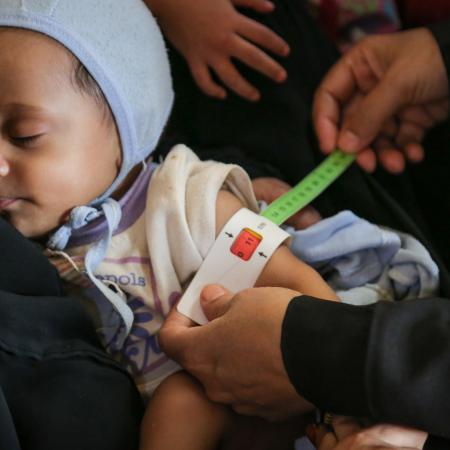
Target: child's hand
209, 33
269, 189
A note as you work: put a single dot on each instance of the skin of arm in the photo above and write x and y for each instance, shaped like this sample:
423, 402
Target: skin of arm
283, 269
202, 423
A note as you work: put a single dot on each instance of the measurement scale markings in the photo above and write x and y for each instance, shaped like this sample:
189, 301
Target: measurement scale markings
309, 188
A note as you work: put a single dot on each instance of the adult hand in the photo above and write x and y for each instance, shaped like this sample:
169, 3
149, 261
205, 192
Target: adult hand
237, 356
209, 34
347, 434
269, 189
384, 93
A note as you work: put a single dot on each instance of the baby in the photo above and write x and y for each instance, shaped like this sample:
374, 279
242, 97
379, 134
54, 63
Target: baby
85, 94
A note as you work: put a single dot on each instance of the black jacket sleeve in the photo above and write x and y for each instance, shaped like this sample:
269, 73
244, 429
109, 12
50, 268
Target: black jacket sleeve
389, 361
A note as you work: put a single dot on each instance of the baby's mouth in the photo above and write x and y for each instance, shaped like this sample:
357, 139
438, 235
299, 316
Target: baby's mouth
6, 201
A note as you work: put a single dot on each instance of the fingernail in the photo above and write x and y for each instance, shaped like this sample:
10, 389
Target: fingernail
349, 141
254, 96
222, 95
212, 292
311, 433
281, 76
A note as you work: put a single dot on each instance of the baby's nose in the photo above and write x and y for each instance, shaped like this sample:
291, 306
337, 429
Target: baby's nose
4, 166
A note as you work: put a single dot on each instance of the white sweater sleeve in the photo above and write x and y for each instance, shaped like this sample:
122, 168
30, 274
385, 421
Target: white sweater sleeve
180, 213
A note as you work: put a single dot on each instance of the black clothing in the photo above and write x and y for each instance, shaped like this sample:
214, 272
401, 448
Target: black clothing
58, 388
387, 361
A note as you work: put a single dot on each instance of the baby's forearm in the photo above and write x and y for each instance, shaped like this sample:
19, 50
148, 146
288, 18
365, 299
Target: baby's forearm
286, 270
309, 282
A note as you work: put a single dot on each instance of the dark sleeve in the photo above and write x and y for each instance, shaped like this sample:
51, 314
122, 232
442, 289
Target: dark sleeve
389, 361
441, 32
436, 443
229, 154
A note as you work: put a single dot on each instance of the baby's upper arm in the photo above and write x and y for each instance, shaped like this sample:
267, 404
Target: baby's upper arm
227, 204
283, 269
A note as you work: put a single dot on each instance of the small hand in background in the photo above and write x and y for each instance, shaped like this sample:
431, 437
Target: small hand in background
269, 189
347, 434
211, 33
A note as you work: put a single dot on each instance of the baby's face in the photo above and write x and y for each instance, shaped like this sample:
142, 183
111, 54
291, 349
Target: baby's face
57, 150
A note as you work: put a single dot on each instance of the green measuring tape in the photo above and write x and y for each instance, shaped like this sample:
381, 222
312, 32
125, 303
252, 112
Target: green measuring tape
309, 188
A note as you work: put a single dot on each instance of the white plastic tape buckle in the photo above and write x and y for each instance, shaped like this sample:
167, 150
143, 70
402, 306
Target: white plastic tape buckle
236, 259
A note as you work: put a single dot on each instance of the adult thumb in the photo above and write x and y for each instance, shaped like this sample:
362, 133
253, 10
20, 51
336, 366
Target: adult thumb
363, 122
215, 301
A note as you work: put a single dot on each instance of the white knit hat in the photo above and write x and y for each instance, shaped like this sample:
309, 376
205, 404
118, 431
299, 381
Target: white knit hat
120, 44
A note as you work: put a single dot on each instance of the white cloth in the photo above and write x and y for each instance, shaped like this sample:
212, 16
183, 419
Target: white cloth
154, 258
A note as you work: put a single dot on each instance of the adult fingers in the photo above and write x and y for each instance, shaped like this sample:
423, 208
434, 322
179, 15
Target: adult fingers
390, 157
417, 114
262, 411
215, 392
325, 439
344, 426
174, 334
397, 436
414, 152
326, 117
367, 160
204, 81
226, 71
409, 132
245, 410
262, 36
215, 301
335, 90
363, 123
438, 110
364, 75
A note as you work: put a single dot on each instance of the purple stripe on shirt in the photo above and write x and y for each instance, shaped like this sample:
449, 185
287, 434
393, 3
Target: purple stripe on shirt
132, 204
154, 365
